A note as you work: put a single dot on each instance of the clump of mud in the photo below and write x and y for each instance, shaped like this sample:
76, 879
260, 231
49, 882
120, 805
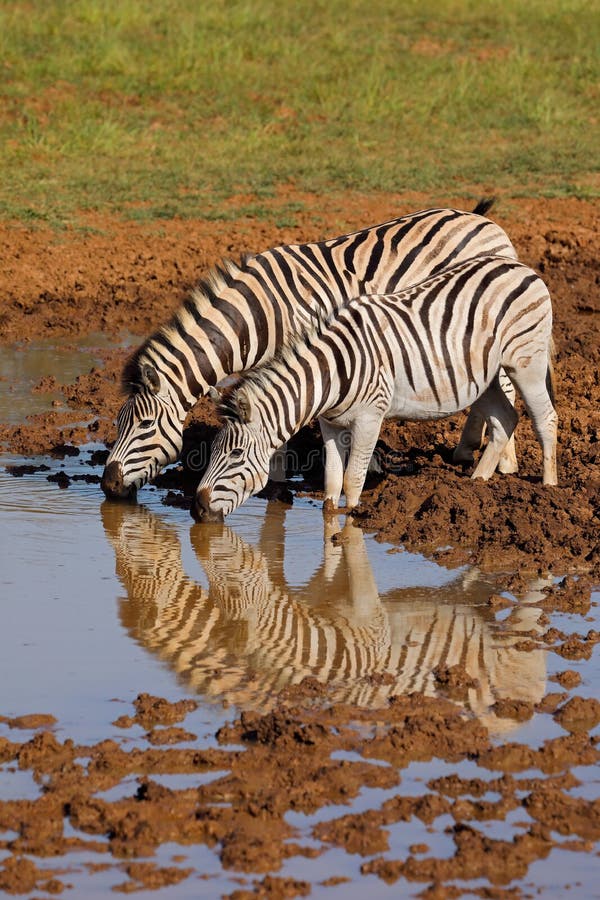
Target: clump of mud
288, 760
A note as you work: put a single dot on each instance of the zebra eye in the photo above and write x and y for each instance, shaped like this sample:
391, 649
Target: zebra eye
236, 453
146, 423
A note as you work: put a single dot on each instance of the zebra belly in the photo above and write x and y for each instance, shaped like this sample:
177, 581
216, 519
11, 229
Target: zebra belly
407, 403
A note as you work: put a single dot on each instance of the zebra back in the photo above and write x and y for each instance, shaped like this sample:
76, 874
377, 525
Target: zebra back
242, 314
445, 338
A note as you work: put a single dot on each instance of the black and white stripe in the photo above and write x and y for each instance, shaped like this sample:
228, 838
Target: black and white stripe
242, 315
422, 353
249, 634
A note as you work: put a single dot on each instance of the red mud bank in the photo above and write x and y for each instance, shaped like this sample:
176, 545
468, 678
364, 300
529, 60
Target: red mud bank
122, 278
268, 765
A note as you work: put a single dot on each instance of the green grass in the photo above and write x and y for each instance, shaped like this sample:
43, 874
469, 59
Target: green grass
166, 108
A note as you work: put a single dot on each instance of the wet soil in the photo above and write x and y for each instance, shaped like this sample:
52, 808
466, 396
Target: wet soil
283, 762
116, 278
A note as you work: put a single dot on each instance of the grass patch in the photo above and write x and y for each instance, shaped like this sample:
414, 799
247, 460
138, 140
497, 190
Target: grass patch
172, 107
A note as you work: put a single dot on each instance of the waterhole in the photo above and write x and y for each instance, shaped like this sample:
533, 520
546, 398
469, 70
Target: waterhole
105, 602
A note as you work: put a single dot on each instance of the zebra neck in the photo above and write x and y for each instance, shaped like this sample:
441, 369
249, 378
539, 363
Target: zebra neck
287, 399
189, 367
223, 328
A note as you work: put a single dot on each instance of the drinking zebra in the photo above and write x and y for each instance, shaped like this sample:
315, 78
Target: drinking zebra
423, 353
243, 314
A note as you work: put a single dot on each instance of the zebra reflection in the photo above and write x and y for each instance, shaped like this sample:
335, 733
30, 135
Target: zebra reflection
250, 634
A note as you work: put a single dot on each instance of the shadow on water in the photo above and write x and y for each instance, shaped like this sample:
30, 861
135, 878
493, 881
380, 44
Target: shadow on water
252, 633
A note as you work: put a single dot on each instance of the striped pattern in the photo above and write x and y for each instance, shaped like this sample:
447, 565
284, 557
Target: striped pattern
242, 315
249, 634
154, 435
423, 353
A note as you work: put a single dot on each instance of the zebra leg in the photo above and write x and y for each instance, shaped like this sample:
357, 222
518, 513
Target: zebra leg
508, 464
531, 382
364, 433
501, 418
471, 438
336, 442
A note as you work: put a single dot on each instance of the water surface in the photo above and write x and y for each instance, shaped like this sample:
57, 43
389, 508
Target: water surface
103, 601
110, 599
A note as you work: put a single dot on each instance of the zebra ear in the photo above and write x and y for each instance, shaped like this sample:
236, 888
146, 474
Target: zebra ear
244, 405
151, 378
215, 394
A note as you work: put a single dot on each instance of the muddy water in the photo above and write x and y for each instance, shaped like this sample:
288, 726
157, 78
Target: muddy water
110, 599
25, 369
102, 602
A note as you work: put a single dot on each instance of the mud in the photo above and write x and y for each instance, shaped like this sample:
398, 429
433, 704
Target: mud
284, 762
310, 751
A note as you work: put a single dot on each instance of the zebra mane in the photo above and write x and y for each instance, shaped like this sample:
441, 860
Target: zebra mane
228, 410
131, 376
260, 379
201, 302
226, 407
205, 296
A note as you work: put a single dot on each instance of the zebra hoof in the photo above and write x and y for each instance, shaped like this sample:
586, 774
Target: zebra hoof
508, 466
329, 508
462, 457
332, 509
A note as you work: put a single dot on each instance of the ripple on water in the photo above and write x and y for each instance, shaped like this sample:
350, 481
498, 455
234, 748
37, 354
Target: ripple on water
33, 495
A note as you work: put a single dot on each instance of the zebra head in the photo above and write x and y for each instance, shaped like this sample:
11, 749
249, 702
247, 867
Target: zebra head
239, 461
149, 434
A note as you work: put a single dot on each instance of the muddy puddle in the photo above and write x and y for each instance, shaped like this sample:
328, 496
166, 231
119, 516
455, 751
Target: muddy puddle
187, 671
32, 372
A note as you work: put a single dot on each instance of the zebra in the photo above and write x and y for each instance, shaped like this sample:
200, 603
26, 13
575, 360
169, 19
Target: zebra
242, 314
250, 634
423, 353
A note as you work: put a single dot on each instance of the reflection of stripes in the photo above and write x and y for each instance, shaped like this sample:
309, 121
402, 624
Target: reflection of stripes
422, 353
248, 644
250, 635
243, 314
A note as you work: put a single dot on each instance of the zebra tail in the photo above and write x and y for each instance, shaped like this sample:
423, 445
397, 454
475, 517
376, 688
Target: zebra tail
550, 376
484, 206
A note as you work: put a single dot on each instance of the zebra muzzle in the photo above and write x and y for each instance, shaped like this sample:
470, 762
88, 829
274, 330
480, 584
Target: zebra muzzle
112, 483
201, 510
